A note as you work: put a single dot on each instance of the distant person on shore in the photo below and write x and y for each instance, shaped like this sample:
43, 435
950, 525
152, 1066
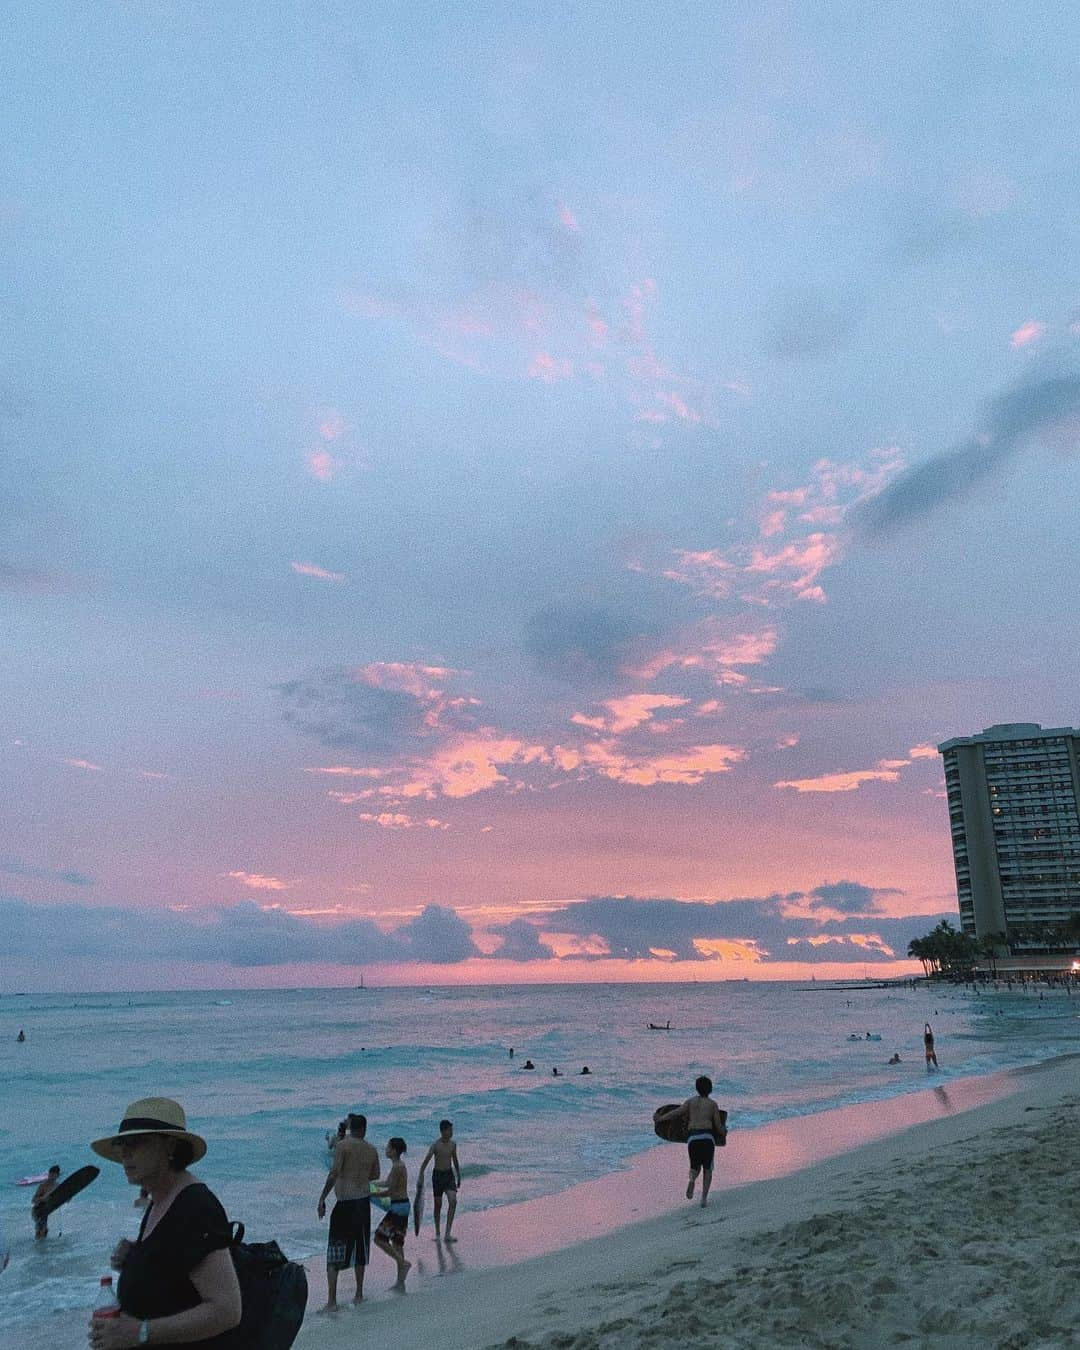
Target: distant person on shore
445, 1176
355, 1166
21, 1037
390, 1234
928, 1046
703, 1122
37, 1211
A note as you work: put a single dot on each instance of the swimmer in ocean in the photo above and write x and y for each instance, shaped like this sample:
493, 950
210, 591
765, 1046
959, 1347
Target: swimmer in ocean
928, 1046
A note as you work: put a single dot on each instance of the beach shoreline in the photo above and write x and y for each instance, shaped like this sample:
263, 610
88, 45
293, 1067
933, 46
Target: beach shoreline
841, 1202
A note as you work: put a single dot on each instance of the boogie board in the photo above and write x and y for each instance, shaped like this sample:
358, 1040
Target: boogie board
32, 1181
69, 1187
672, 1127
418, 1208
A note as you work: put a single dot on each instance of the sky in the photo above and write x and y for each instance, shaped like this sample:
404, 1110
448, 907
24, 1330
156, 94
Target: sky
519, 492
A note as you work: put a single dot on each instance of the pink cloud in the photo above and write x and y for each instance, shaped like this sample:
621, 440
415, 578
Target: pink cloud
322, 465
320, 573
772, 523
332, 426
83, 764
678, 406
1027, 333
840, 782
257, 881
686, 767
623, 714
397, 820
568, 220
546, 368
713, 645
596, 326
923, 752
344, 771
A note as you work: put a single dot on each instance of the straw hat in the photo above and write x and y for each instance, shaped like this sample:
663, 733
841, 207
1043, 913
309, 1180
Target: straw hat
150, 1115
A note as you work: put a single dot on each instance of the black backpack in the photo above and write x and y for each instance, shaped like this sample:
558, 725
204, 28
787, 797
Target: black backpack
274, 1294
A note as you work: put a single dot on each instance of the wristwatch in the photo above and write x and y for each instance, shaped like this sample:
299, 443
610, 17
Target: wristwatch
144, 1331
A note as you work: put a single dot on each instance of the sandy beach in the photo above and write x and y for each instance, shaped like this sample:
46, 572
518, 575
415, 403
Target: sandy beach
955, 1229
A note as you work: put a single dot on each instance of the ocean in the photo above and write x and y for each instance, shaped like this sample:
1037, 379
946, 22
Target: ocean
264, 1075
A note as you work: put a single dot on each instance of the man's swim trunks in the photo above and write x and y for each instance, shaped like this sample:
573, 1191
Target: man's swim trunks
702, 1148
442, 1180
395, 1223
349, 1243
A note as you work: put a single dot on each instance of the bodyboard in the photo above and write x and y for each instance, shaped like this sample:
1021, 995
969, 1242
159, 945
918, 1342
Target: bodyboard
69, 1187
673, 1129
418, 1208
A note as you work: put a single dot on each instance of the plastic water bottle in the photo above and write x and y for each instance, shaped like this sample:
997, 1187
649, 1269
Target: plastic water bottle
107, 1304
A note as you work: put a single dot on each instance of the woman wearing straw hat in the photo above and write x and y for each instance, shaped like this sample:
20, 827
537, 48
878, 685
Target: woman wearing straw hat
177, 1282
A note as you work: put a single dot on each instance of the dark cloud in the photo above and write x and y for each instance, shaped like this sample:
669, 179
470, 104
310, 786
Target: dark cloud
437, 934
520, 941
12, 867
850, 897
341, 711
808, 326
1014, 419
243, 935
577, 644
632, 929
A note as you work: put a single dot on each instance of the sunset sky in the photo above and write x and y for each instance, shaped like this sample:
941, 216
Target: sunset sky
519, 491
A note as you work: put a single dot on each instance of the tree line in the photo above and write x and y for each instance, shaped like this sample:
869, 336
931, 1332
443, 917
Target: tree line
945, 952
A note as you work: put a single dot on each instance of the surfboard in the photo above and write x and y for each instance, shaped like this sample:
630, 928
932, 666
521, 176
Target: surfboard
672, 1127
417, 1208
32, 1181
69, 1188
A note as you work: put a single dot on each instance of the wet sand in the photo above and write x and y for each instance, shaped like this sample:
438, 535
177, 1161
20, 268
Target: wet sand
943, 1218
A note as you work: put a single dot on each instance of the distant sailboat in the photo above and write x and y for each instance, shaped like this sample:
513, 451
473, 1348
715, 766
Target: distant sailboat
361, 985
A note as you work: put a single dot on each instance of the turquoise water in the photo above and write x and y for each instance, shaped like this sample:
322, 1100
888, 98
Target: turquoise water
263, 1075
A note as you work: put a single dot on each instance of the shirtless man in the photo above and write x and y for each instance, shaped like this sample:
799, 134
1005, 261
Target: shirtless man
703, 1120
445, 1176
354, 1168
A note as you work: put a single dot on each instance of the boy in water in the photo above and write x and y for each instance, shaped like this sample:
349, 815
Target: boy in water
390, 1234
928, 1046
445, 1176
41, 1219
704, 1122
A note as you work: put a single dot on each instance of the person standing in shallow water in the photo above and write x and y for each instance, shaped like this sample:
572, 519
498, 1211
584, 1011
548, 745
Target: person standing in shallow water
703, 1122
445, 1176
355, 1167
41, 1219
928, 1046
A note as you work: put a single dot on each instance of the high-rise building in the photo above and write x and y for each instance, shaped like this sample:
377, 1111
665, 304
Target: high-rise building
1014, 809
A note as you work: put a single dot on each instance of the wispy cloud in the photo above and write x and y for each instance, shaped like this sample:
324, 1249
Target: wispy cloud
312, 570
84, 764
258, 881
13, 867
1027, 333
1031, 409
